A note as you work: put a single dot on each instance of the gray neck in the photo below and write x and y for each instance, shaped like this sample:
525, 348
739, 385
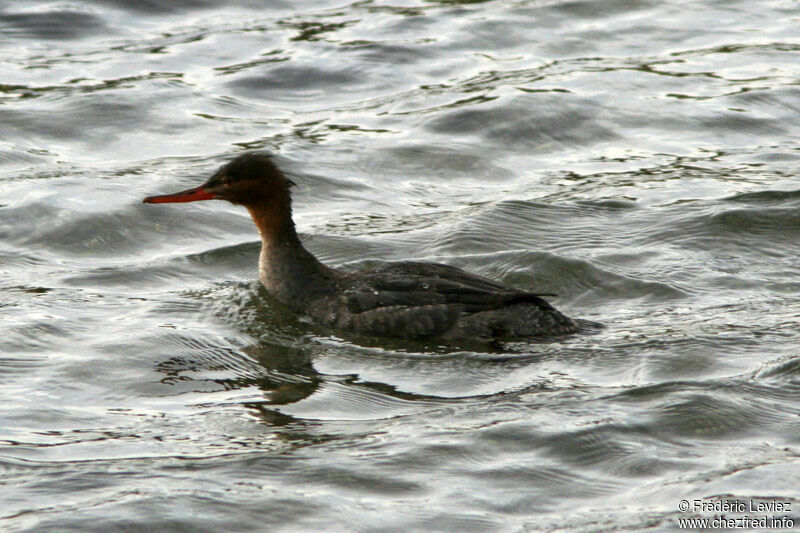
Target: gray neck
292, 275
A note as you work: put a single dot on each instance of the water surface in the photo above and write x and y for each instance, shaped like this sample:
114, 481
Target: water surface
636, 158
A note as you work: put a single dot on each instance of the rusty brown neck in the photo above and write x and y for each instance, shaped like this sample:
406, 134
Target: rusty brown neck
287, 270
273, 218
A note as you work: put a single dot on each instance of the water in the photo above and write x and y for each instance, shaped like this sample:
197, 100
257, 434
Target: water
638, 159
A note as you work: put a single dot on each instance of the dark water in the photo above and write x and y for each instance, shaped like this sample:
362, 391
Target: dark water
638, 158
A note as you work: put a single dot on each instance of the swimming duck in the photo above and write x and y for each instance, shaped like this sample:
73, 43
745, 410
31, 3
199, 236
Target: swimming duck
407, 299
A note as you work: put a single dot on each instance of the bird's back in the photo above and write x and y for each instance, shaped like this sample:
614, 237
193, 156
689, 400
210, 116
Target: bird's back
418, 300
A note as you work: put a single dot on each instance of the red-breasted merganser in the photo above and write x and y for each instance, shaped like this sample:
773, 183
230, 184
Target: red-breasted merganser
401, 299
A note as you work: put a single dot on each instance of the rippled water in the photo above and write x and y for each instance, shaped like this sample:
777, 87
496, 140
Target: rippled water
638, 158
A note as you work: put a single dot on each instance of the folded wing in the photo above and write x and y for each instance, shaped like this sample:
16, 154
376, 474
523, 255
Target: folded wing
421, 299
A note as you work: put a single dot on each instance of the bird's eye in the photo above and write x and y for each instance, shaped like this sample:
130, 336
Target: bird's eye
226, 180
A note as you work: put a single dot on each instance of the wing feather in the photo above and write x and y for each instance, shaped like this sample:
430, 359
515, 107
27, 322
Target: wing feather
410, 284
